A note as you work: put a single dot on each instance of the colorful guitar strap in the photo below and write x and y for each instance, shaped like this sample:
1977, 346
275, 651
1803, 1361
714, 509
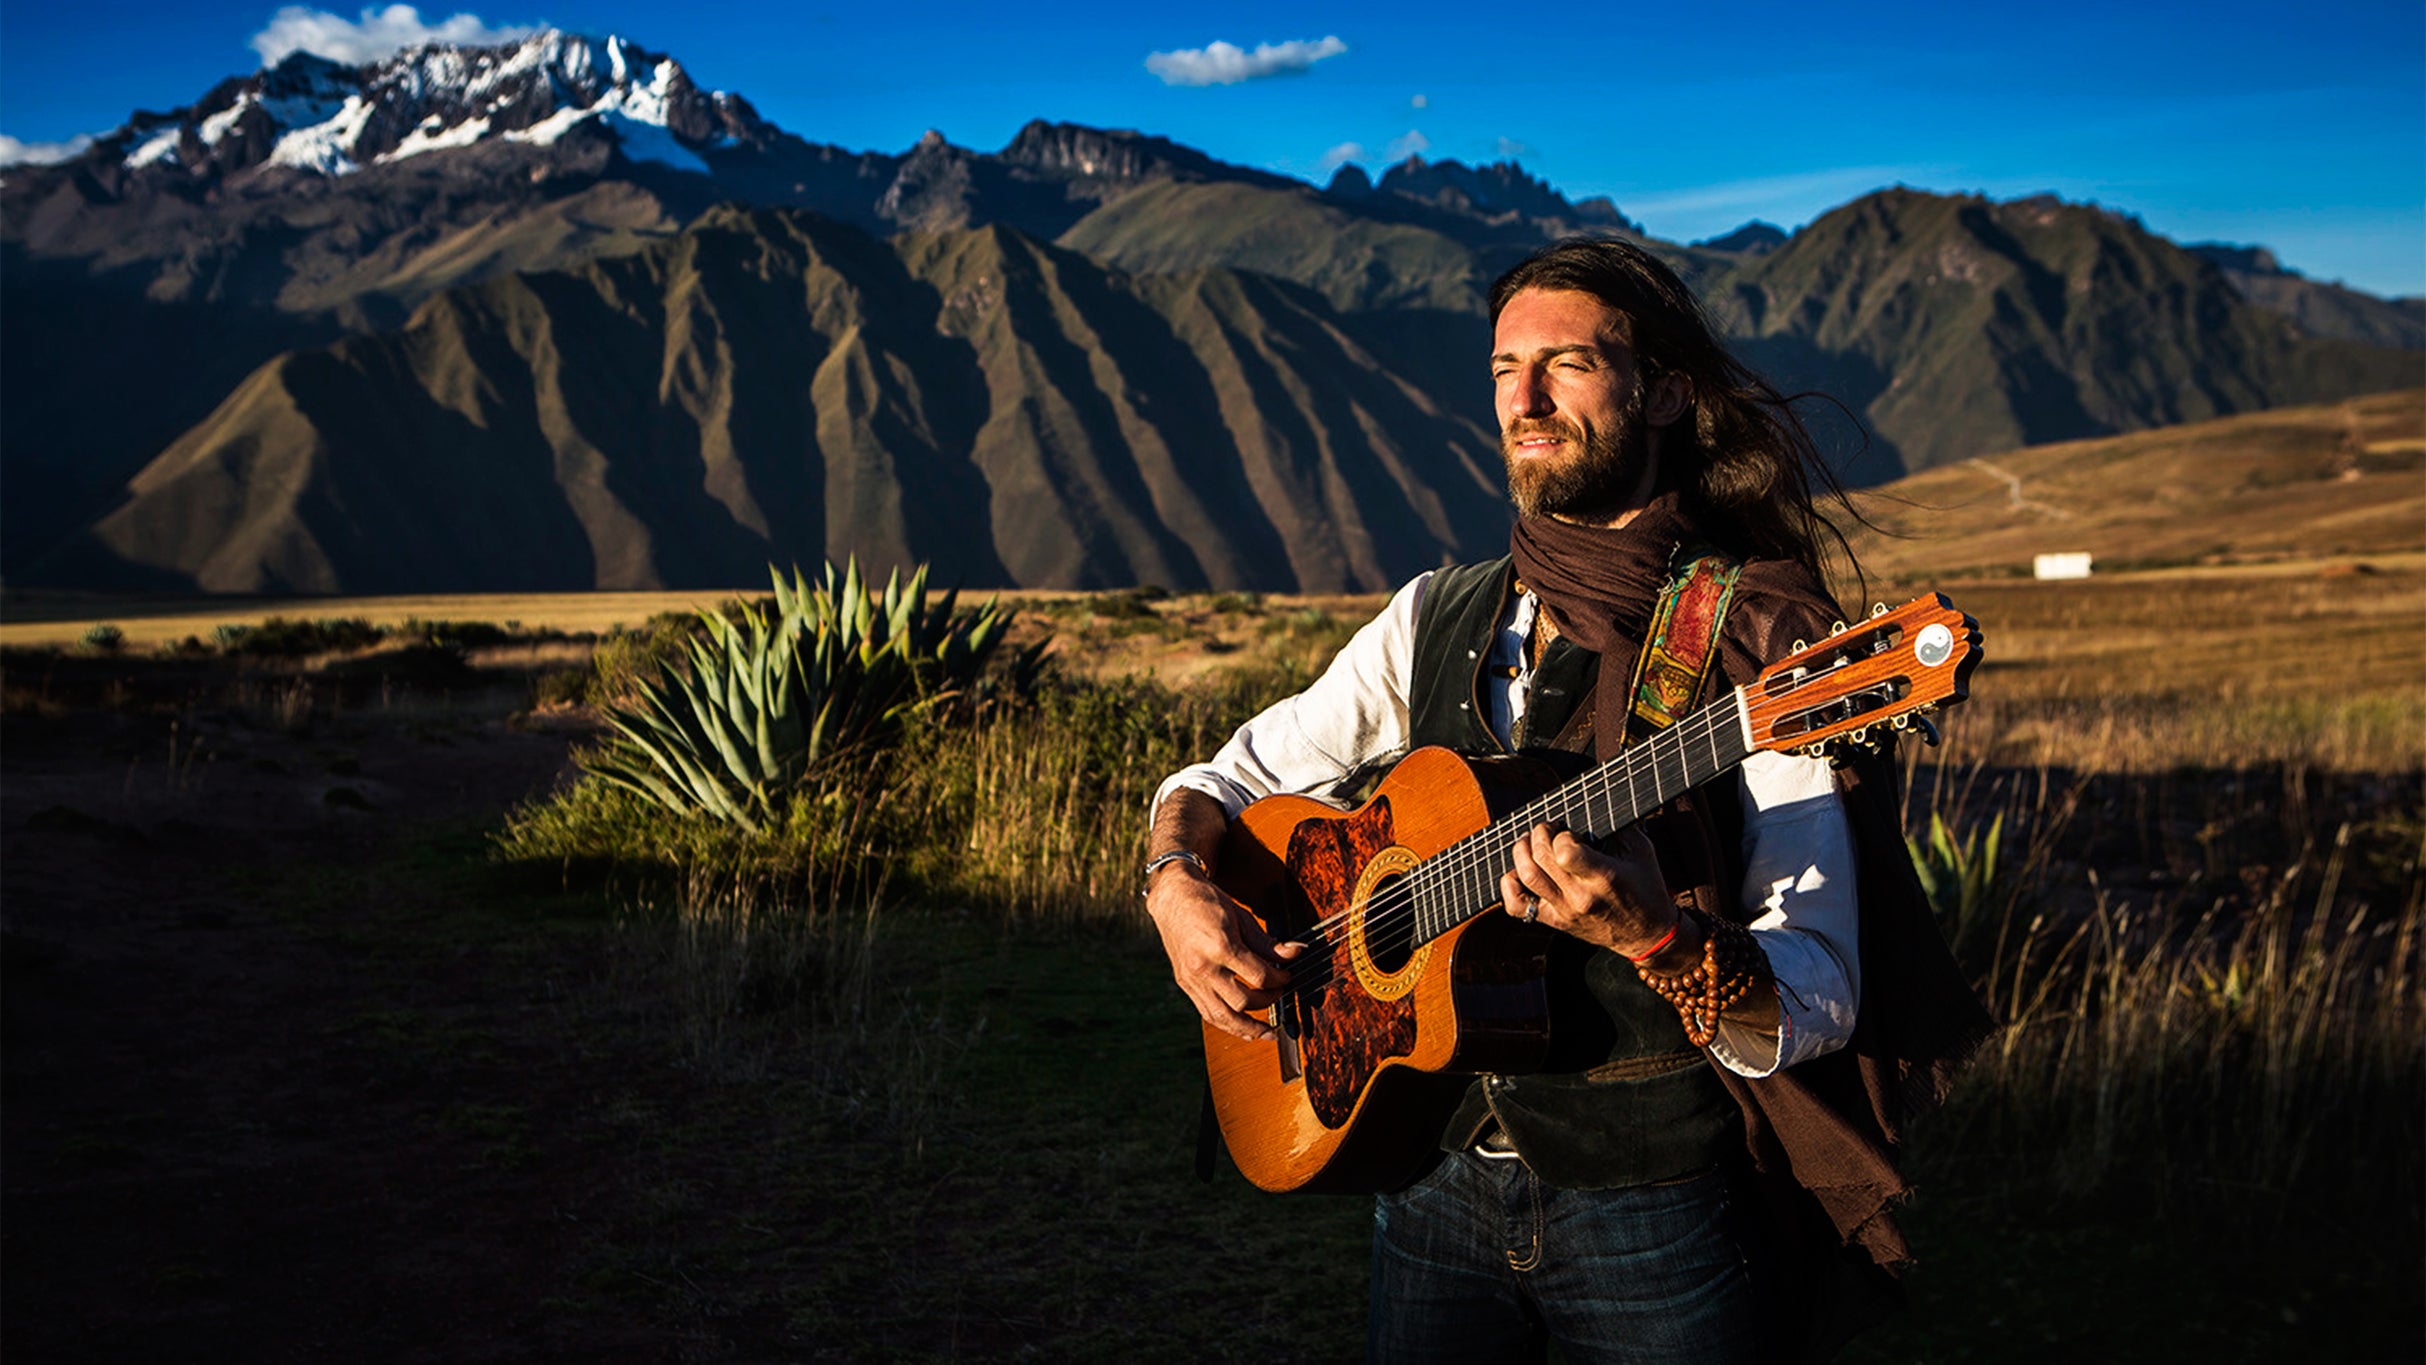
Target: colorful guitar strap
1683, 641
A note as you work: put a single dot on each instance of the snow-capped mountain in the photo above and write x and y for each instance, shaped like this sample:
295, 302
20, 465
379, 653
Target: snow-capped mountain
312, 114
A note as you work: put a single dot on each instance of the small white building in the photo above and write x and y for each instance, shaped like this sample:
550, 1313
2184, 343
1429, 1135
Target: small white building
2070, 564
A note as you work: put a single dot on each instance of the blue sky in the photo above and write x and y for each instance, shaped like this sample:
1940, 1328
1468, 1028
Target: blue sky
2301, 129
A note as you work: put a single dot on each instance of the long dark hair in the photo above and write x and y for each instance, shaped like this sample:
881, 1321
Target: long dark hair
1751, 471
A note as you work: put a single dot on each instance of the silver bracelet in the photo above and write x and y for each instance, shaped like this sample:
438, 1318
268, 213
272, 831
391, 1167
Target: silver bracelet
1159, 861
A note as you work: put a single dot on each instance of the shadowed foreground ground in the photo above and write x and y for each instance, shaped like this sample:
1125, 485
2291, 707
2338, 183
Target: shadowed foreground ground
293, 1072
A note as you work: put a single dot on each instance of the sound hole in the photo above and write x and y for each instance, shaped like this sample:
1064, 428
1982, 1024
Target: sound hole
1389, 925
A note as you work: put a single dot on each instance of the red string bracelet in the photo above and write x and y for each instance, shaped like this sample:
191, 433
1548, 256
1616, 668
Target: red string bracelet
1655, 949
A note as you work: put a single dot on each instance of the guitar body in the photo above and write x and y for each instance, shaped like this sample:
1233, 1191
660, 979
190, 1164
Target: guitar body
1413, 979
1352, 1096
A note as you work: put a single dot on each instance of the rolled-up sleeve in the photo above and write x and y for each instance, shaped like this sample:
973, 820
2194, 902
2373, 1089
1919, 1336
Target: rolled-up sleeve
1799, 891
1355, 713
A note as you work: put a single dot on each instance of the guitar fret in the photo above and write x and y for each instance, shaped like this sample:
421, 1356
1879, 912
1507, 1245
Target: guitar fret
1462, 881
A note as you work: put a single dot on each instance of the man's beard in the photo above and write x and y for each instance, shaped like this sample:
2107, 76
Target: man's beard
1594, 483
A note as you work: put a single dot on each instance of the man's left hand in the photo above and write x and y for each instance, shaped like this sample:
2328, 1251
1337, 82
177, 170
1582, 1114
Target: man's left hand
1618, 899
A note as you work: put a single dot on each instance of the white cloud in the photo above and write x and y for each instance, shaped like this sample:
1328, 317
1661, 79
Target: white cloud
1407, 144
1770, 195
1340, 156
1420, 102
1510, 149
16, 153
1228, 64
378, 33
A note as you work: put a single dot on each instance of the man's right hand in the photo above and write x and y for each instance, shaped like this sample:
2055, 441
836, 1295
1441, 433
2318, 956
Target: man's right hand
1220, 956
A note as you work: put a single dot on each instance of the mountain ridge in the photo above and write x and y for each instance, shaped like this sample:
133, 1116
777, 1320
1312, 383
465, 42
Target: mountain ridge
191, 250
673, 418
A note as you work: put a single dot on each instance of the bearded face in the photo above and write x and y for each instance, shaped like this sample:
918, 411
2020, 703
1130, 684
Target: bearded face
1570, 400
1589, 477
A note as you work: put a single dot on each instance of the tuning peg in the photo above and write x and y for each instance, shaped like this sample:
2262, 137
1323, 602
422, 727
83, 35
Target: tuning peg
1877, 610
1837, 628
1928, 729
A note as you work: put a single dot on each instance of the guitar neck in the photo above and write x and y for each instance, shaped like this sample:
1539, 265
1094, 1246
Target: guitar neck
1462, 880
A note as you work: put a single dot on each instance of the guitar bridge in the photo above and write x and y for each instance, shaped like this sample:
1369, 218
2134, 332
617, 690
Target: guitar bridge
1292, 1057
1288, 1025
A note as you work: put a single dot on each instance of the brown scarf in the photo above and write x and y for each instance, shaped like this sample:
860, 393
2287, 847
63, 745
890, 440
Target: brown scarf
1600, 585
1824, 1134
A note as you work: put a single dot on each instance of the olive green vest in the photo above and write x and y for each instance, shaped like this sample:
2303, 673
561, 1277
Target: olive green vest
1623, 1099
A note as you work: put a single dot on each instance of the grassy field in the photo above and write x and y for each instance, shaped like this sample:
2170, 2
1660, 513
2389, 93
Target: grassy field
344, 1019
303, 971
2307, 660
2335, 481
30, 620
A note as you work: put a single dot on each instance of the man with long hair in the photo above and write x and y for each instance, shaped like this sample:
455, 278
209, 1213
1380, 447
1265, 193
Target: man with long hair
1668, 1185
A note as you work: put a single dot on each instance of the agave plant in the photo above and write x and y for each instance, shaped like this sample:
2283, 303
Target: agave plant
1960, 876
762, 702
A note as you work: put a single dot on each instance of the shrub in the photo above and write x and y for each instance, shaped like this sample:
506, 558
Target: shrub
284, 638
626, 659
105, 638
1960, 877
563, 687
456, 634
765, 701
1135, 604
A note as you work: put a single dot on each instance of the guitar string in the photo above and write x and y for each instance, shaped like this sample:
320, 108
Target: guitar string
1475, 862
1697, 731
1470, 869
1474, 874
1393, 918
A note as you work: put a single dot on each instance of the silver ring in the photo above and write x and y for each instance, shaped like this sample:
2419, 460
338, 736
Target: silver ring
1533, 906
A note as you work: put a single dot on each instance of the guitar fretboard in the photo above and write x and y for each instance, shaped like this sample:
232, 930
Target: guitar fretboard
1462, 880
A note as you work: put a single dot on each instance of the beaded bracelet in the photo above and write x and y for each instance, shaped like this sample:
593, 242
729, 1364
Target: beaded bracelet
1732, 965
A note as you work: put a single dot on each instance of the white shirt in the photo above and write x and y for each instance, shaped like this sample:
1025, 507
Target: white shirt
1798, 849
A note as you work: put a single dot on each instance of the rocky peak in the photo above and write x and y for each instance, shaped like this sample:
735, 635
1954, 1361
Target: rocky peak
1075, 150
1113, 157
312, 114
1754, 238
1499, 189
1350, 182
2250, 260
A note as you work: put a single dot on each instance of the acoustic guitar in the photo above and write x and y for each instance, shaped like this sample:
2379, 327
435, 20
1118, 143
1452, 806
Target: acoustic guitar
1410, 984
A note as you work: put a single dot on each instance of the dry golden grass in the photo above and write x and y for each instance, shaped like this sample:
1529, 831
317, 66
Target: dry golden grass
2337, 479
2307, 662
2216, 669
35, 619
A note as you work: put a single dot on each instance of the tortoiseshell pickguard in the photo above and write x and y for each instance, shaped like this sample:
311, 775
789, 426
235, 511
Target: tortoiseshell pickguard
1346, 1032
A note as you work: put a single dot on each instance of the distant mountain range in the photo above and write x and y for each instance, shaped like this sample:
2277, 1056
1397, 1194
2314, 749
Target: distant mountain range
548, 315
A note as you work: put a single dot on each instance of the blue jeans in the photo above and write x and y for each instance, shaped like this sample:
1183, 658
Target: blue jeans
1480, 1261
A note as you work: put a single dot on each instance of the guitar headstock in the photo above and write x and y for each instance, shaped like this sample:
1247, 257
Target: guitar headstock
1891, 669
